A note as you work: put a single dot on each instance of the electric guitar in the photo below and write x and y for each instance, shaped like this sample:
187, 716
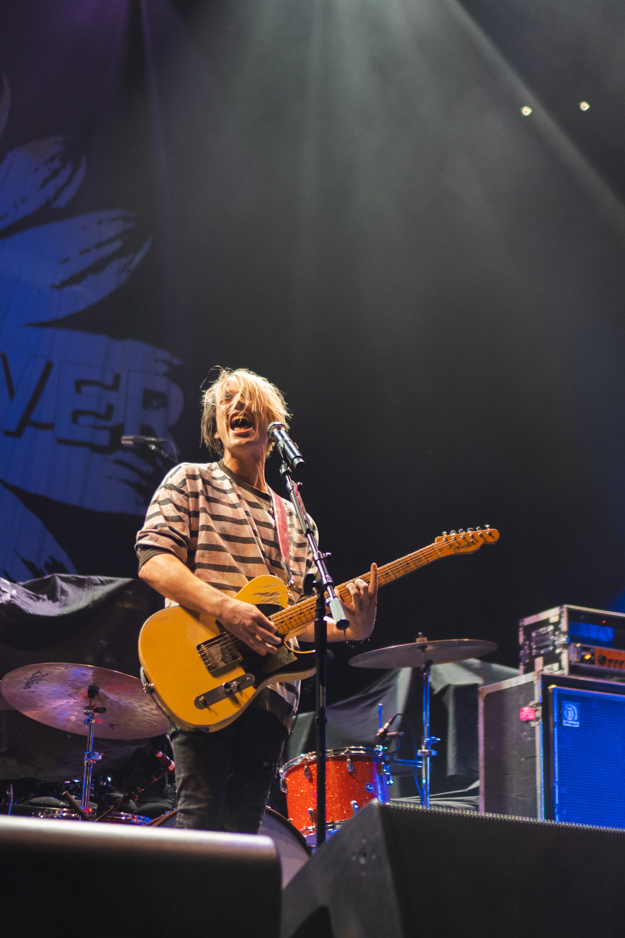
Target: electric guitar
203, 676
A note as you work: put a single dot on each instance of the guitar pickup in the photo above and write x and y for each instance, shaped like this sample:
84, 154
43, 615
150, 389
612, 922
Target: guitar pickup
228, 689
218, 654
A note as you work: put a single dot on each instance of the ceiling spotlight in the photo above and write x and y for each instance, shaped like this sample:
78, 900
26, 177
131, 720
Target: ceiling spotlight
526, 111
584, 105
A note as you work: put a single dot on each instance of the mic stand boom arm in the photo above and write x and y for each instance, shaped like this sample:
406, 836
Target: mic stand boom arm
323, 585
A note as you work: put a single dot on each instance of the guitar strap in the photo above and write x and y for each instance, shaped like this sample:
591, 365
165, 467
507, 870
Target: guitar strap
282, 530
279, 513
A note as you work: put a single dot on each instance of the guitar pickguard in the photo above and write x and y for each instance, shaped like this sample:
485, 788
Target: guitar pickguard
282, 657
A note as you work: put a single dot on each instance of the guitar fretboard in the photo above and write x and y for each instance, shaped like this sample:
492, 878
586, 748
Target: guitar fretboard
295, 618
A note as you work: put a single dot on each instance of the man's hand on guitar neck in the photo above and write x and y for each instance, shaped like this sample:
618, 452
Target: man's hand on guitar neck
360, 611
170, 577
362, 608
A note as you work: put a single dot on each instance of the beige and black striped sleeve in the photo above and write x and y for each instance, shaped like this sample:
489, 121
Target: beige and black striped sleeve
166, 526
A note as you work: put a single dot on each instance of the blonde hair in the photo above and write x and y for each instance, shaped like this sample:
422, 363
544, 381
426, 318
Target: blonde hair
236, 386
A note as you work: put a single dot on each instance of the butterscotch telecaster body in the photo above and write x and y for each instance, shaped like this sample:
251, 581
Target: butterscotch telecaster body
202, 676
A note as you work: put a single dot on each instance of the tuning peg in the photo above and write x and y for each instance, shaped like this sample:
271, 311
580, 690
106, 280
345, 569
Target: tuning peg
453, 532
470, 530
444, 533
461, 531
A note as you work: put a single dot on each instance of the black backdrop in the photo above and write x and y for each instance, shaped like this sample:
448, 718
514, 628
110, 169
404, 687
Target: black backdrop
346, 197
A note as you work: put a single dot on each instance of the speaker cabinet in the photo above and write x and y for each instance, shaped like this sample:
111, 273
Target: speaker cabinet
404, 871
72, 879
567, 764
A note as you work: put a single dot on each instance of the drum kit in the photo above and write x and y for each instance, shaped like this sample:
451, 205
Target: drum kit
88, 701
357, 775
93, 701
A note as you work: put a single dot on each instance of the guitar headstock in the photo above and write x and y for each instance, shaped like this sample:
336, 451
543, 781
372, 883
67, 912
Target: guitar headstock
465, 542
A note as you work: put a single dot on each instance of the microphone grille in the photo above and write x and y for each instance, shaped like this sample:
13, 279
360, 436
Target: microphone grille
274, 427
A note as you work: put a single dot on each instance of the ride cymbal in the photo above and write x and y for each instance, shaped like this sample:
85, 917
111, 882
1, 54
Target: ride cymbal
57, 693
416, 654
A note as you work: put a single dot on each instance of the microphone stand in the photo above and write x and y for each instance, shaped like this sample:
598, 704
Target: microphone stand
165, 456
151, 443
323, 585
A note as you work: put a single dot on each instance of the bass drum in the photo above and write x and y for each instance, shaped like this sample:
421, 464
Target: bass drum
292, 848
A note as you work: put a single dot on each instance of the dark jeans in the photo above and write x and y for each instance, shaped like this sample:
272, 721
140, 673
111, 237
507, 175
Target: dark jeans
224, 778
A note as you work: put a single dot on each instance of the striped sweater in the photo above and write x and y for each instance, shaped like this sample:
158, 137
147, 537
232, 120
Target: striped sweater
224, 531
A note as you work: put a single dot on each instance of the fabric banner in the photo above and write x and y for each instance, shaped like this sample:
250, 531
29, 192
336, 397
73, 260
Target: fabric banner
81, 288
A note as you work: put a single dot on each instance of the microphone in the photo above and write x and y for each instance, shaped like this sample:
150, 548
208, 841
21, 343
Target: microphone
276, 431
169, 764
139, 440
382, 733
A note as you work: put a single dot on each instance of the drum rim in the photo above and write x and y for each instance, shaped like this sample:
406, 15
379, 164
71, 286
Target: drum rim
54, 813
290, 826
125, 817
348, 751
331, 828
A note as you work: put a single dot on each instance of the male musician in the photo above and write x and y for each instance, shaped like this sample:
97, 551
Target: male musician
211, 528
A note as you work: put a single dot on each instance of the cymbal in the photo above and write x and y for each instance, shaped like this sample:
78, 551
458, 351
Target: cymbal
417, 653
56, 694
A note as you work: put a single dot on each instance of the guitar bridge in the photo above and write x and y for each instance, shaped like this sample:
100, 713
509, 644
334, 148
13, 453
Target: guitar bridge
218, 654
228, 689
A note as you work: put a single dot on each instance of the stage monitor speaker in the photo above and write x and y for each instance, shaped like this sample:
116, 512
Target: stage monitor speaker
75, 879
407, 872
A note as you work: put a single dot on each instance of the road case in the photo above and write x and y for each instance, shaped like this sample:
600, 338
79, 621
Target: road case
552, 746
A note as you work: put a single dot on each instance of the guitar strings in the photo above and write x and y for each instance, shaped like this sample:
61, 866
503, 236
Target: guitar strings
386, 575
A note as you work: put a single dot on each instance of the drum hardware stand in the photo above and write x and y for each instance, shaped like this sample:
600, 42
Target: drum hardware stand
326, 594
167, 766
426, 752
421, 655
384, 738
91, 757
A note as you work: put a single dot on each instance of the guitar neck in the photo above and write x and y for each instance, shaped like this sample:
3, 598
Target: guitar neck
295, 618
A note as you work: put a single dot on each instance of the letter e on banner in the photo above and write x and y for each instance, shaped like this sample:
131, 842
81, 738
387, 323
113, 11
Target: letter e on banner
89, 405
153, 404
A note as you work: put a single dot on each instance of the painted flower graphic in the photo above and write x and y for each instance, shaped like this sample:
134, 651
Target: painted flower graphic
66, 396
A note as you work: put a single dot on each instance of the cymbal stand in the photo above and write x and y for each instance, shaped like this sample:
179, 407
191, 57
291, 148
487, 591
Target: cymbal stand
90, 757
426, 752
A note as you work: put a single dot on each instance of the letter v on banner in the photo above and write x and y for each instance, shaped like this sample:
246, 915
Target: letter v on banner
26, 395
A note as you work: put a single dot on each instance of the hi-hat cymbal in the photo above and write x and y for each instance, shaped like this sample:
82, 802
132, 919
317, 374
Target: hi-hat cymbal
418, 653
57, 693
